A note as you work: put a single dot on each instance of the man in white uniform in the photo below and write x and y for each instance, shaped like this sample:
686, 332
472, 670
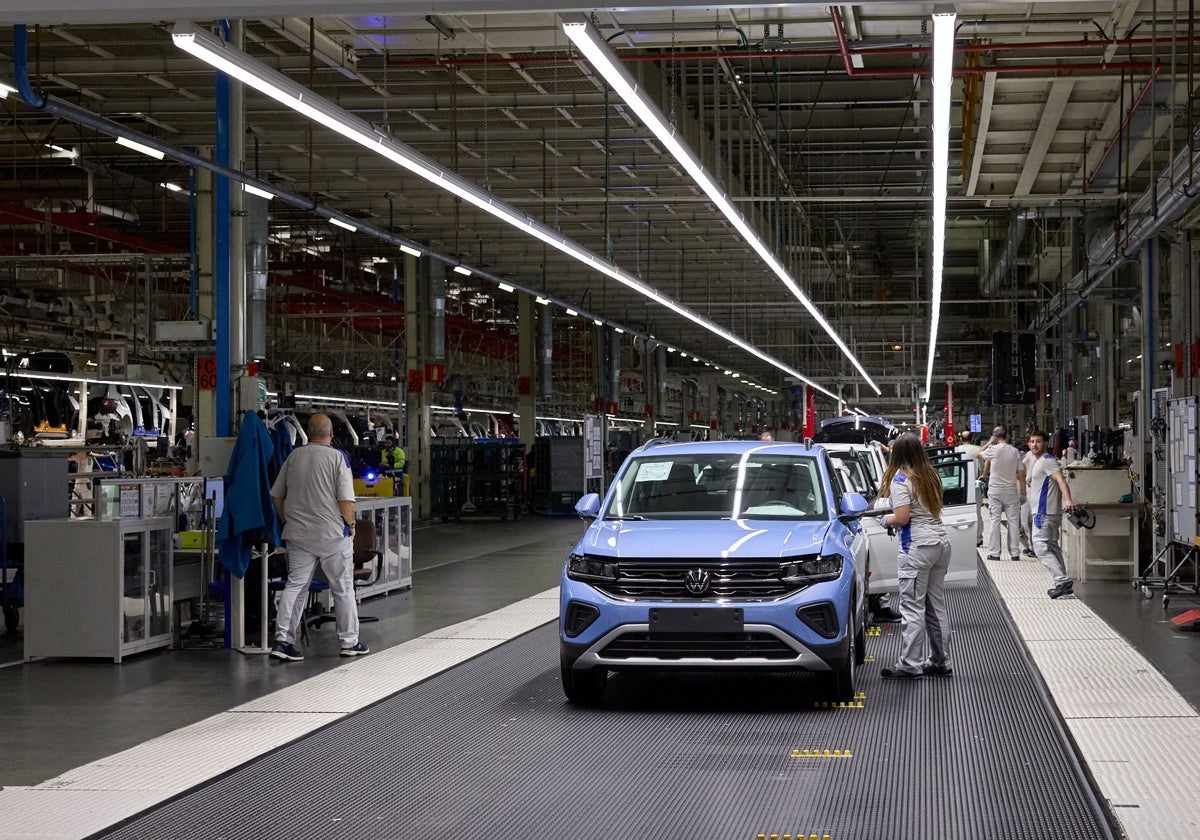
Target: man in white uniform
1005, 475
1027, 462
314, 497
1048, 491
971, 450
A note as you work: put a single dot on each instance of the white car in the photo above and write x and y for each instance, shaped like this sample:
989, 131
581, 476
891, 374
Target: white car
958, 515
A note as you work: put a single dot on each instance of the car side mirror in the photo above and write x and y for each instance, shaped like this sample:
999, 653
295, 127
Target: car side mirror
853, 506
589, 506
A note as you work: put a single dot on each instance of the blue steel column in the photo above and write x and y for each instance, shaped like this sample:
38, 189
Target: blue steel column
221, 261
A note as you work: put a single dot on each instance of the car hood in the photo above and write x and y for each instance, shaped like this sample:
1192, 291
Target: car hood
719, 539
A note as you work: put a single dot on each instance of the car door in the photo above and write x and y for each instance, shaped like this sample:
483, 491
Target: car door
958, 517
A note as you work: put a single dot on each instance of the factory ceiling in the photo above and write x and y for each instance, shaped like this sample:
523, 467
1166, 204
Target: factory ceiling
814, 118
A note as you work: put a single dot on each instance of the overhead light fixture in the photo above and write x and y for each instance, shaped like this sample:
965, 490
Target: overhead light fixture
596, 50
318, 368
504, 287
261, 193
172, 187
370, 374
543, 301
62, 151
5, 90
572, 312
441, 26
412, 252
943, 77
597, 322
463, 270
140, 147
341, 224
345, 371
618, 329
228, 59
897, 346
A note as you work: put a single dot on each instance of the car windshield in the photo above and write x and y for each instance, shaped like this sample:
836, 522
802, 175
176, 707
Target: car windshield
717, 486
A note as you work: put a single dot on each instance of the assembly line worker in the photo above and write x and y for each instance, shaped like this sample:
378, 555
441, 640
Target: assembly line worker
1047, 492
1004, 473
391, 457
1027, 462
314, 497
921, 565
971, 450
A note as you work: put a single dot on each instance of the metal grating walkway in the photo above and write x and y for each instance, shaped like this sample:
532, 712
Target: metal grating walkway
491, 749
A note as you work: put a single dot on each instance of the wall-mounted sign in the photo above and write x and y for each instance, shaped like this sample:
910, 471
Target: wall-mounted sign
112, 359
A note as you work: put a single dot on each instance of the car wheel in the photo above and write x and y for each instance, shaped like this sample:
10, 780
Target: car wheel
839, 683
583, 688
860, 646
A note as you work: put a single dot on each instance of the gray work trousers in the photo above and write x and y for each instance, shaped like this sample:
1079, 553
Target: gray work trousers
1046, 547
1008, 503
339, 570
922, 572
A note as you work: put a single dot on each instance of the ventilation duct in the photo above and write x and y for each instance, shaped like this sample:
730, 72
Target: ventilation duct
546, 321
256, 232
436, 272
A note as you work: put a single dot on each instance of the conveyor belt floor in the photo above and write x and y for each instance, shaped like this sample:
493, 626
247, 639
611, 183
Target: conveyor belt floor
490, 749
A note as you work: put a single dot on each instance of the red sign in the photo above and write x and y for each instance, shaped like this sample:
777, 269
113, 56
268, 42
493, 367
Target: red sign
612, 408
810, 411
712, 424
206, 373
648, 410
416, 381
435, 372
524, 386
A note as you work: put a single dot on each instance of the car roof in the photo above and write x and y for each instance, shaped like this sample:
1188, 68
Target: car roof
659, 446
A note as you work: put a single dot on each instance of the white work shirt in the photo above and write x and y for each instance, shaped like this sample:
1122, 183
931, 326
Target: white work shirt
312, 481
1045, 496
1027, 462
1006, 461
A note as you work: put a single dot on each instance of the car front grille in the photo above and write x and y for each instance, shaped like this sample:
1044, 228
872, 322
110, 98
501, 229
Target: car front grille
753, 580
717, 646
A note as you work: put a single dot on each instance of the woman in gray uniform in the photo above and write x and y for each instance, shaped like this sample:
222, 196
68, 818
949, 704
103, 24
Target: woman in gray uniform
924, 558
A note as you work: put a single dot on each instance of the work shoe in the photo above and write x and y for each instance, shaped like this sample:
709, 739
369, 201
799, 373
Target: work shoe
287, 652
1067, 587
938, 671
896, 674
979, 543
993, 557
359, 649
1028, 552
886, 615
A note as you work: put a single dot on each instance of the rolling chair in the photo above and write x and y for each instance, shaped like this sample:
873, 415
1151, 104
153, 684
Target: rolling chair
366, 551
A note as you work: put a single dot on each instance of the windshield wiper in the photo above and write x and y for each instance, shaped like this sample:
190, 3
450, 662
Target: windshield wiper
624, 517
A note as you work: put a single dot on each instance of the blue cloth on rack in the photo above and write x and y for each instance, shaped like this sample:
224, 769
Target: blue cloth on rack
249, 517
282, 437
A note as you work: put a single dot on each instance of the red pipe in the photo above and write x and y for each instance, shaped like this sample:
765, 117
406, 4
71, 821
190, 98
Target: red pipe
1116, 138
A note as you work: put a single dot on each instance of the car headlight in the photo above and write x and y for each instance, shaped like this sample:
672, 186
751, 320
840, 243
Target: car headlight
593, 569
813, 569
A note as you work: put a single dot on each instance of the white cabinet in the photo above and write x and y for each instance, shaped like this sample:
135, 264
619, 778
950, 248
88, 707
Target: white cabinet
392, 517
1107, 550
97, 588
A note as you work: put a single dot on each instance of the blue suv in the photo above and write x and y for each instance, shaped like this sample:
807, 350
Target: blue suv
717, 555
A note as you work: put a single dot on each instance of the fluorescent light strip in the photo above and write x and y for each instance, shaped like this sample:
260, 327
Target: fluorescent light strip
139, 147
279, 87
412, 252
463, 270
505, 287
943, 72
341, 224
589, 42
172, 187
261, 193
541, 300
5, 90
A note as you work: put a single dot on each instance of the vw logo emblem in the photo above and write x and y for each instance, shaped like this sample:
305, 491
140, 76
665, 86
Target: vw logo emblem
697, 581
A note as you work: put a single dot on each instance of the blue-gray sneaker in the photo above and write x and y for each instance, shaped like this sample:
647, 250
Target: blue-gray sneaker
359, 649
287, 652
